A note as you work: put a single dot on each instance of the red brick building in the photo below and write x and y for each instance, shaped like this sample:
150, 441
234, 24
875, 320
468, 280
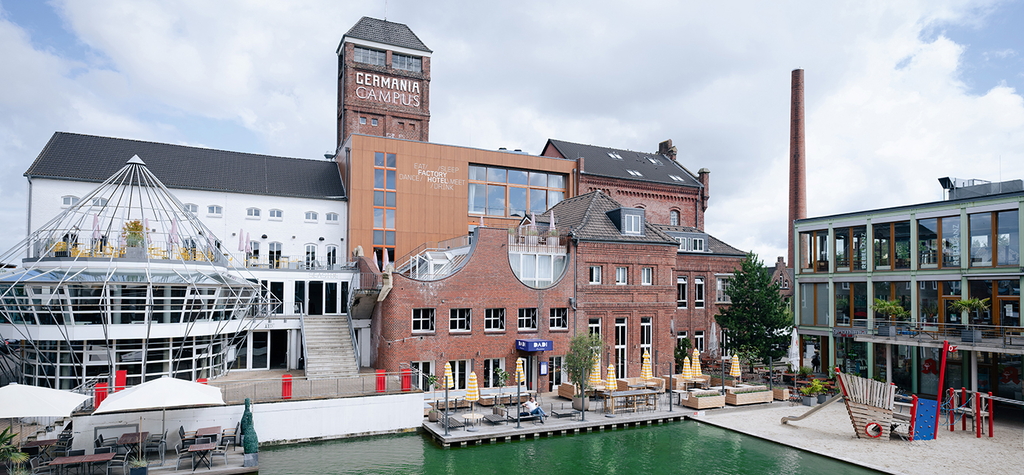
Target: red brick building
383, 82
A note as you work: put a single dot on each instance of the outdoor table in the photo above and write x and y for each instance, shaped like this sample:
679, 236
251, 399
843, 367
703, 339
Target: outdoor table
40, 446
211, 432
59, 462
472, 419
629, 398
203, 451
131, 440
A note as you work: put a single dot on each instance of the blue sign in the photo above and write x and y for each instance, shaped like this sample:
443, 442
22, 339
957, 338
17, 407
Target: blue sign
534, 345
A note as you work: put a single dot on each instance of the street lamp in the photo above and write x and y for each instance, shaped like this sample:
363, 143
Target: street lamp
724, 359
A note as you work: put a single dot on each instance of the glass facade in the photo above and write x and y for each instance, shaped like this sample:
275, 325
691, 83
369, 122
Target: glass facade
506, 192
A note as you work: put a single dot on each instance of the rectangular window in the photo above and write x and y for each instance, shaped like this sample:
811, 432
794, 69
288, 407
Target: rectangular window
424, 369
422, 319
214, 210
698, 340
528, 319
621, 275
631, 224
458, 320
276, 214
595, 275
311, 216
491, 367
620, 347
645, 336
369, 56
460, 368
406, 63
252, 212
698, 292
721, 290
494, 319
647, 276
697, 244
680, 292
497, 191
559, 319
594, 326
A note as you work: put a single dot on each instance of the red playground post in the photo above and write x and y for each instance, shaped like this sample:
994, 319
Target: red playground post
942, 378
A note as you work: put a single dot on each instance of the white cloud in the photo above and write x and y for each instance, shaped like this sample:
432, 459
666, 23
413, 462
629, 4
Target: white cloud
713, 77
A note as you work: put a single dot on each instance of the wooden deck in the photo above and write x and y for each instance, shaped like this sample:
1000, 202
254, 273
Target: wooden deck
596, 421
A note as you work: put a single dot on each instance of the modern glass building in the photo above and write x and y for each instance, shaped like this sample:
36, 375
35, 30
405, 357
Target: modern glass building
925, 257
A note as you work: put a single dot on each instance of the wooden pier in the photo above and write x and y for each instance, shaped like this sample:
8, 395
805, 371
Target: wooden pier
596, 421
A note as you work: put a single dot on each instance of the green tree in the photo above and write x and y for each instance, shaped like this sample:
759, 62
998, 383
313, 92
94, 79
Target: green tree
580, 358
757, 322
681, 352
9, 453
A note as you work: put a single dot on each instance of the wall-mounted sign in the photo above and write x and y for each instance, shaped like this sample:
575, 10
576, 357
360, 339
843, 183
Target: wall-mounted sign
389, 90
848, 332
534, 345
439, 178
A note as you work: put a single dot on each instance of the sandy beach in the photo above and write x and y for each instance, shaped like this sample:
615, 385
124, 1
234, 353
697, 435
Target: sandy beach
829, 432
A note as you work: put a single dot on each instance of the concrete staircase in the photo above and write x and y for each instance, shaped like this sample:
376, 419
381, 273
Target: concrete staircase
328, 347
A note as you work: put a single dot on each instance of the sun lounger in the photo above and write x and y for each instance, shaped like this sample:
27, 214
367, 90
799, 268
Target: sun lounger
494, 419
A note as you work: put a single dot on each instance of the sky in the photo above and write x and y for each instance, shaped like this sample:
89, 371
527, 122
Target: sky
897, 94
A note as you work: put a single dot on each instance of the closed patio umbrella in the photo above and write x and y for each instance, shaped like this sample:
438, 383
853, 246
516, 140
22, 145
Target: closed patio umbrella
687, 370
472, 390
611, 385
20, 400
645, 367
595, 373
695, 364
734, 366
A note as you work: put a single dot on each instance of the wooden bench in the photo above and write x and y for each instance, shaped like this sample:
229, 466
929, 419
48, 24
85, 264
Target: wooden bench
453, 423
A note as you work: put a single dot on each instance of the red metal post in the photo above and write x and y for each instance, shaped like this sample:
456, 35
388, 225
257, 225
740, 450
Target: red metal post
286, 386
406, 379
977, 415
913, 416
382, 383
202, 380
99, 393
120, 379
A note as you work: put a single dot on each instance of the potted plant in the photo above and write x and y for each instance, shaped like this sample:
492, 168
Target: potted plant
804, 372
134, 239
578, 361
502, 377
811, 391
895, 313
249, 441
138, 466
966, 308
9, 453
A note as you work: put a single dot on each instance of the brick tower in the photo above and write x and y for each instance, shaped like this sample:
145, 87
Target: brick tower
383, 82
797, 167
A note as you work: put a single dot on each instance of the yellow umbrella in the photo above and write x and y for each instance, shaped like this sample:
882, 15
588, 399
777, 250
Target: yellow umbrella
645, 367
695, 364
520, 371
734, 366
611, 384
472, 391
595, 373
449, 379
687, 371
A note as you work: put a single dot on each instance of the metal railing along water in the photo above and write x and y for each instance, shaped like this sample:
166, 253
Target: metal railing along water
271, 390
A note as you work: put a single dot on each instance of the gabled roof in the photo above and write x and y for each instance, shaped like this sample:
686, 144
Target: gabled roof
714, 245
586, 216
653, 167
91, 158
389, 33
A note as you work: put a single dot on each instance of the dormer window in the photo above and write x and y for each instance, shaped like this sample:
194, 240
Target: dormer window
630, 221
632, 224
690, 244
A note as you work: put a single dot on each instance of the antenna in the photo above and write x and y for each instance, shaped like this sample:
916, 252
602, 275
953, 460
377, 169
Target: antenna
385, 10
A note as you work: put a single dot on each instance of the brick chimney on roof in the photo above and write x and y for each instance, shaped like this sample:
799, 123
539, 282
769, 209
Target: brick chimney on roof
665, 148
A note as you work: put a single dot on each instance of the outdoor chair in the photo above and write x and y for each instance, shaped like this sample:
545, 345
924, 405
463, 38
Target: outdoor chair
221, 450
187, 438
119, 461
100, 450
182, 455
203, 440
156, 443
231, 434
39, 467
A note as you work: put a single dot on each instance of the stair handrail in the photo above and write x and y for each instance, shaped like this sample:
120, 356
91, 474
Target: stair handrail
302, 329
352, 335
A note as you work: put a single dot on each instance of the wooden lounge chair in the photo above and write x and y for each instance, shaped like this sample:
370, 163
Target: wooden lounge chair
494, 419
453, 423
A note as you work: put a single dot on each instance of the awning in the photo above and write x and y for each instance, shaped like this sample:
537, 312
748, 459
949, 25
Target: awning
534, 345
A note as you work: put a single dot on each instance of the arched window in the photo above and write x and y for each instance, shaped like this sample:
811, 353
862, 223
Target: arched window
192, 208
276, 214
673, 218
332, 218
252, 213
311, 216
310, 255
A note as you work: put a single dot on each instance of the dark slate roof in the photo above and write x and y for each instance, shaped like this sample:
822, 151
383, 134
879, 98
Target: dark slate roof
91, 158
715, 246
586, 216
387, 32
596, 161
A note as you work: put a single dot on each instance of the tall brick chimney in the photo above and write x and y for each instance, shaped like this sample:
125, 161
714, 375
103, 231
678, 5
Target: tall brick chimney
797, 167
665, 148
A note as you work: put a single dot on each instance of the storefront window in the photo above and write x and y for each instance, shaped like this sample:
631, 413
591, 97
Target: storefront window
1007, 239
881, 246
981, 239
1008, 302
950, 236
928, 243
928, 301
851, 356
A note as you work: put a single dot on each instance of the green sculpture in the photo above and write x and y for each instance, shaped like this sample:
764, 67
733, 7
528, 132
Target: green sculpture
249, 441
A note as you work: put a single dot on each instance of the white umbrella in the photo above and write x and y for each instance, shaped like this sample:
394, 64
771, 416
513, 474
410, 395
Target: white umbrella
19, 400
161, 394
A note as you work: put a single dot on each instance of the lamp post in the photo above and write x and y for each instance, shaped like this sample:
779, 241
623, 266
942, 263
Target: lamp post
724, 359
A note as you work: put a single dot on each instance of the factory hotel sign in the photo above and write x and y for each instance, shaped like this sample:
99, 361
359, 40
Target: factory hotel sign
388, 90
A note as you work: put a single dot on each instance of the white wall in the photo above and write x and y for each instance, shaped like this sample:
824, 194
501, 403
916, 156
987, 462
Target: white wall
276, 423
46, 197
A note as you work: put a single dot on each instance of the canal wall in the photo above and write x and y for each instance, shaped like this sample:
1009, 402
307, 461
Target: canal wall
276, 423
